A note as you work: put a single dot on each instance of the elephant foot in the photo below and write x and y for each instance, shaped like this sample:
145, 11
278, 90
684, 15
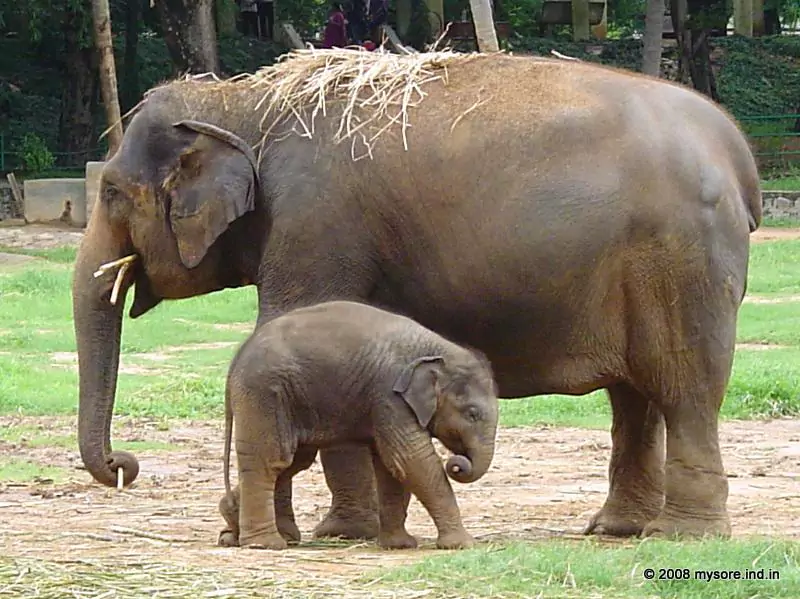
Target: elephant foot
619, 523
397, 540
272, 541
288, 530
672, 527
228, 538
457, 539
360, 526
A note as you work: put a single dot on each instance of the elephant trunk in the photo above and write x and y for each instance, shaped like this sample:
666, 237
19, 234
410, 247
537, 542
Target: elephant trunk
472, 466
98, 326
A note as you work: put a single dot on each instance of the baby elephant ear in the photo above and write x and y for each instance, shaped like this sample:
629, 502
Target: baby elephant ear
417, 385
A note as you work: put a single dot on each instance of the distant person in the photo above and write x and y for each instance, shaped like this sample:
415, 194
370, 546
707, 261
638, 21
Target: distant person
248, 10
335, 35
378, 14
357, 21
266, 18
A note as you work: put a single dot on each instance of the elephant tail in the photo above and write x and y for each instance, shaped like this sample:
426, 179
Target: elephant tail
754, 205
226, 466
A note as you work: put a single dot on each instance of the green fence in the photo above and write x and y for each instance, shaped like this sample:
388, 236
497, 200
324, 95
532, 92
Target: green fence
64, 162
775, 138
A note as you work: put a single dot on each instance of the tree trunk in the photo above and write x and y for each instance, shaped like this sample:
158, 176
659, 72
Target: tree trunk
700, 64
772, 21
108, 72
130, 63
743, 17
693, 22
482, 18
190, 34
651, 44
76, 127
580, 20
758, 18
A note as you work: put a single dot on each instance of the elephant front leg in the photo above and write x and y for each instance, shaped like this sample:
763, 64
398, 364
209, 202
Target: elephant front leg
354, 508
393, 509
636, 471
412, 460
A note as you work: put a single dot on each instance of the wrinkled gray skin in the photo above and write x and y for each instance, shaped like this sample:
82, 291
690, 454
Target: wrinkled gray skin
585, 228
344, 372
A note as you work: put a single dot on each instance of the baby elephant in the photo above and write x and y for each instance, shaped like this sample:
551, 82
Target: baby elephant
344, 372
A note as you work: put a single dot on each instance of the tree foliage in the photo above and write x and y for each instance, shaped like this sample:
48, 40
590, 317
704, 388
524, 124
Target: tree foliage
48, 70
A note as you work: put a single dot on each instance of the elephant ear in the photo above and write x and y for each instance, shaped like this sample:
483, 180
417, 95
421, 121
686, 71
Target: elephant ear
417, 386
213, 184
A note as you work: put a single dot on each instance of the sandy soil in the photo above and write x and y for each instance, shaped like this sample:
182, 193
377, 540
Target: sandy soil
544, 483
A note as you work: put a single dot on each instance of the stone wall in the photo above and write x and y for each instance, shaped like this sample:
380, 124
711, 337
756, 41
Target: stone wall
7, 206
777, 204
782, 204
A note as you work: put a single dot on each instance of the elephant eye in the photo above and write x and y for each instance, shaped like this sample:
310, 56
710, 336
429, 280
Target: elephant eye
473, 413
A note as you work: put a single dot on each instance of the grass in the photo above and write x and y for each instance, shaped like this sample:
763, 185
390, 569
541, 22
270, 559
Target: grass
32, 436
591, 568
782, 184
14, 470
175, 358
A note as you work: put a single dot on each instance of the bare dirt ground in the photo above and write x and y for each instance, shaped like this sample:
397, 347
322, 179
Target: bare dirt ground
544, 483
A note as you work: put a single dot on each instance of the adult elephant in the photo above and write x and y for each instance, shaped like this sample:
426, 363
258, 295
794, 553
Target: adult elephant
585, 227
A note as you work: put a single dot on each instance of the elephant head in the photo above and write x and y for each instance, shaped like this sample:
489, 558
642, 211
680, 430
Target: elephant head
174, 195
455, 398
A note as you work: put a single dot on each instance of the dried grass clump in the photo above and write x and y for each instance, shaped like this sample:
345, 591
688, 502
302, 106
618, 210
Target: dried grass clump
375, 90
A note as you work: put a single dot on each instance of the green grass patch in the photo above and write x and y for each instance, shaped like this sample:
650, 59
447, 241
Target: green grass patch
34, 436
60, 255
777, 323
782, 184
764, 384
587, 411
591, 569
22, 471
781, 223
773, 268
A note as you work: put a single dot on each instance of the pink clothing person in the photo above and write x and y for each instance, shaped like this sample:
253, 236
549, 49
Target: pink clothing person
336, 29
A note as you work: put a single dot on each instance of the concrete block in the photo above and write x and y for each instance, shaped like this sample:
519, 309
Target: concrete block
48, 200
93, 171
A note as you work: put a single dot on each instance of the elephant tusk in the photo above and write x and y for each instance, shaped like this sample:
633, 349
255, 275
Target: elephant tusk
120, 473
124, 264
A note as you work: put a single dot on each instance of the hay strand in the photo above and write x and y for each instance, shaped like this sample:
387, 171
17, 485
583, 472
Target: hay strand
374, 90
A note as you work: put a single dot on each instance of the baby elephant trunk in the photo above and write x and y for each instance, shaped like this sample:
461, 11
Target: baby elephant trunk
469, 468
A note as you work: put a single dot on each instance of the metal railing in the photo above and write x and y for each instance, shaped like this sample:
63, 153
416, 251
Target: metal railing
12, 160
770, 141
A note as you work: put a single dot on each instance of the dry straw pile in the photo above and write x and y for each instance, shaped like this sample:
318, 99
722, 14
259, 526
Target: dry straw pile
374, 89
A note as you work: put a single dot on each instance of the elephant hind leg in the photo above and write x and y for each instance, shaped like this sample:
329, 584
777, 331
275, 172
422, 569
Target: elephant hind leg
636, 471
682, 356
354, 510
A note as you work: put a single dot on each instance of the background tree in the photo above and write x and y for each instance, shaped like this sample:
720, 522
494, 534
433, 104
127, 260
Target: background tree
108, 72
483, 19
190, 34
651, 41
